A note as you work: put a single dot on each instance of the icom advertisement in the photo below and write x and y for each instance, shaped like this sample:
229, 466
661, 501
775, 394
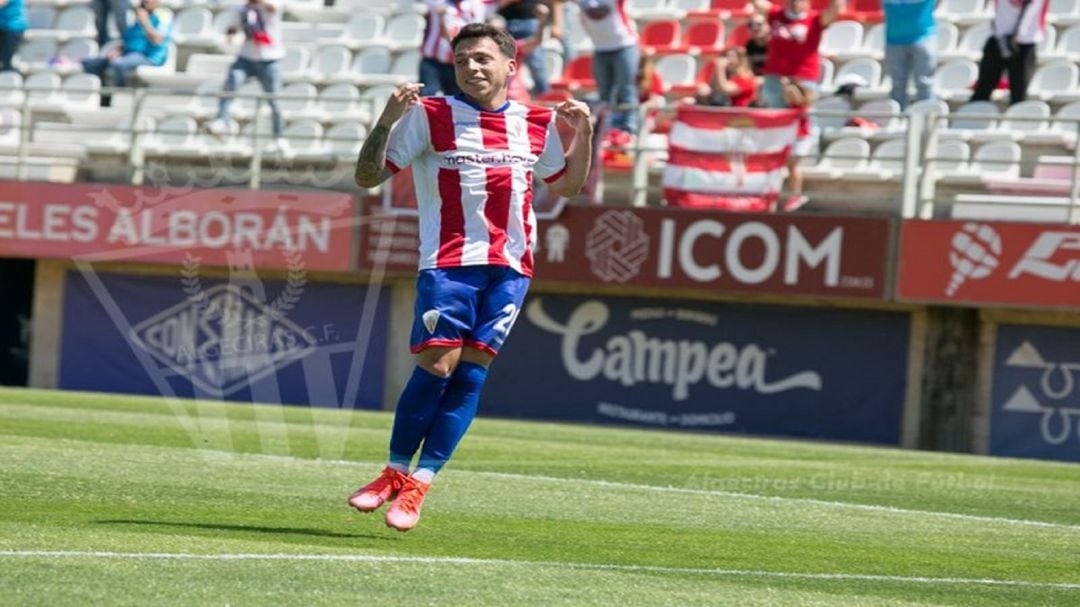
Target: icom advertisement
243, 339
173, 225
1035, 399
770, 370
1021, 264
738, 253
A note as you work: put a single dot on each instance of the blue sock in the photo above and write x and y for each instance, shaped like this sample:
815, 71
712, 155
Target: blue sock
415, 412
456, 411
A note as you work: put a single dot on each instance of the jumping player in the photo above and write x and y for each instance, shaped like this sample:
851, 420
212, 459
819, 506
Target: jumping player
473, 157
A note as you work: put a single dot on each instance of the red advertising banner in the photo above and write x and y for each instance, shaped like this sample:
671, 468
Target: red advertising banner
749, 253
97, 222
1025, 264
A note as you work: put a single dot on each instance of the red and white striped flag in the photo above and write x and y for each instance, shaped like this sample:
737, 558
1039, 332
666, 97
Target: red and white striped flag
733, 159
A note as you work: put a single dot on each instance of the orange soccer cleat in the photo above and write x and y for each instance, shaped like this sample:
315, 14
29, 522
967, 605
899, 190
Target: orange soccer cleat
374, 494
404, 513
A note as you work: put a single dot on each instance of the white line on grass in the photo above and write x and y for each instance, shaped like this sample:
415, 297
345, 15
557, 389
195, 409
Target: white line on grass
710, 492
449, 560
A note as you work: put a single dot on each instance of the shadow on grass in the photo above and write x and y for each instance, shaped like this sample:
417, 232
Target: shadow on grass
247, 529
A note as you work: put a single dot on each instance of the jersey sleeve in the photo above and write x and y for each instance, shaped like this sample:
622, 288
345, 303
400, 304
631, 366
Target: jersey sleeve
408, 139
552, 162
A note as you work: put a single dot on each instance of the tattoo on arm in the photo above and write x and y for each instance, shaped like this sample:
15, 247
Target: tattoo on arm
371, 163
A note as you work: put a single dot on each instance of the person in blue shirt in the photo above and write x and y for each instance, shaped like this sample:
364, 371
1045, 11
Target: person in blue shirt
910, 47
145, 42
12, 26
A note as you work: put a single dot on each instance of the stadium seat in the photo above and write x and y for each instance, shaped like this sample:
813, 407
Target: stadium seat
577, 76
971, 43
405, 31
374, 98
73, 22
963, 12
165, 69
297, 101
841, 157
1061, 131
343, 139
661, 36
677, 70
11, 89
831, 113
885, 113
951, 158
193, 25
310, 10
704, 37
973, 116
645, 10
201, 67
81, 91
842, 39
330, 64
1056, 81
997, 159
1026, 118
10, 135
828, 71
371, 66
39, 18
42, 89
1063, 12
866, 69
947, 37
732, 9
243, 107
293, 33
294, 67
953, 80
34, 55
174, 136
873, 44
342, 102
69, 57
553, 61
306, 139
1069, 44
889, 158
363, 30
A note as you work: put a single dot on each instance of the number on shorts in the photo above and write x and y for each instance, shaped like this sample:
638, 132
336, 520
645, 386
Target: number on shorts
511, 312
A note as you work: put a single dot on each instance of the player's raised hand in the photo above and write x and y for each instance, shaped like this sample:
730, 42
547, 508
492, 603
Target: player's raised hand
575, 113
400, 100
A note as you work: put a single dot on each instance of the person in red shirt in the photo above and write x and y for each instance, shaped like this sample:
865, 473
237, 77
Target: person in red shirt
806, 142
793, 47
731, 83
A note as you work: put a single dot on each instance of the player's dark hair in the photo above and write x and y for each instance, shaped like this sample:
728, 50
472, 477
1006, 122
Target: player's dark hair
484, 30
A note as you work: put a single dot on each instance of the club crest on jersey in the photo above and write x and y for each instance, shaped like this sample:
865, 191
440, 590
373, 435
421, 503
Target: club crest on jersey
431, 320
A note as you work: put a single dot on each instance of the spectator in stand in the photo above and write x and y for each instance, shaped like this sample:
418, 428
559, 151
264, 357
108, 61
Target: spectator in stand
516, 90
1018, 27
757, 47
260, 56
731, 81
793, 47
145, 42
119, 10
910, 47
522, 24
12, 26
615, 62
806, 142
444, 19
651, 89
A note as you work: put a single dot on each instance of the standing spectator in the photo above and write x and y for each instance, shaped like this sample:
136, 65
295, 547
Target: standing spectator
260, 56
12, 26
793, 47
119, 10
522, 24
731, 83
516, 90
1018, 27
757, 47
444, 19
145, 42
806, 143
615, 62
910, 47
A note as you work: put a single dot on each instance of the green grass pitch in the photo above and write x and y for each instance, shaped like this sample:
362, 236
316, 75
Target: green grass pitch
112, 500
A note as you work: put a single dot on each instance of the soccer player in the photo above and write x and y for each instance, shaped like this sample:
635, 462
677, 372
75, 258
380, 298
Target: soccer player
473, 157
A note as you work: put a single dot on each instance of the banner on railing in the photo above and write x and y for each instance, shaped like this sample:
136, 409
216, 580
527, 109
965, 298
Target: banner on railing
1035, 401
705, 366
313, 230
728, 159
1022, 264
748, 253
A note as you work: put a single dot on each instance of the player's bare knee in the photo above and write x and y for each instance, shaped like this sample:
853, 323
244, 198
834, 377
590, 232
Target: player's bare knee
439, 360
476, 356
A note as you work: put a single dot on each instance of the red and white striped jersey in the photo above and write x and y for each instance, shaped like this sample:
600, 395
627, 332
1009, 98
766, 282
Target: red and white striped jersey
473, 170
456, 14
1030, 29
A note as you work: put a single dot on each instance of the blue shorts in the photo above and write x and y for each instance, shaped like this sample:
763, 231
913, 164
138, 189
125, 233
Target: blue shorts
471, 306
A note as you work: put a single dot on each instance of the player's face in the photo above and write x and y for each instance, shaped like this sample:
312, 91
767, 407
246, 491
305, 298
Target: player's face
482, 70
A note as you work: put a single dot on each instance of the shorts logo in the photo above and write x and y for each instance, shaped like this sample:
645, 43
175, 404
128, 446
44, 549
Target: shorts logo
431, 319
